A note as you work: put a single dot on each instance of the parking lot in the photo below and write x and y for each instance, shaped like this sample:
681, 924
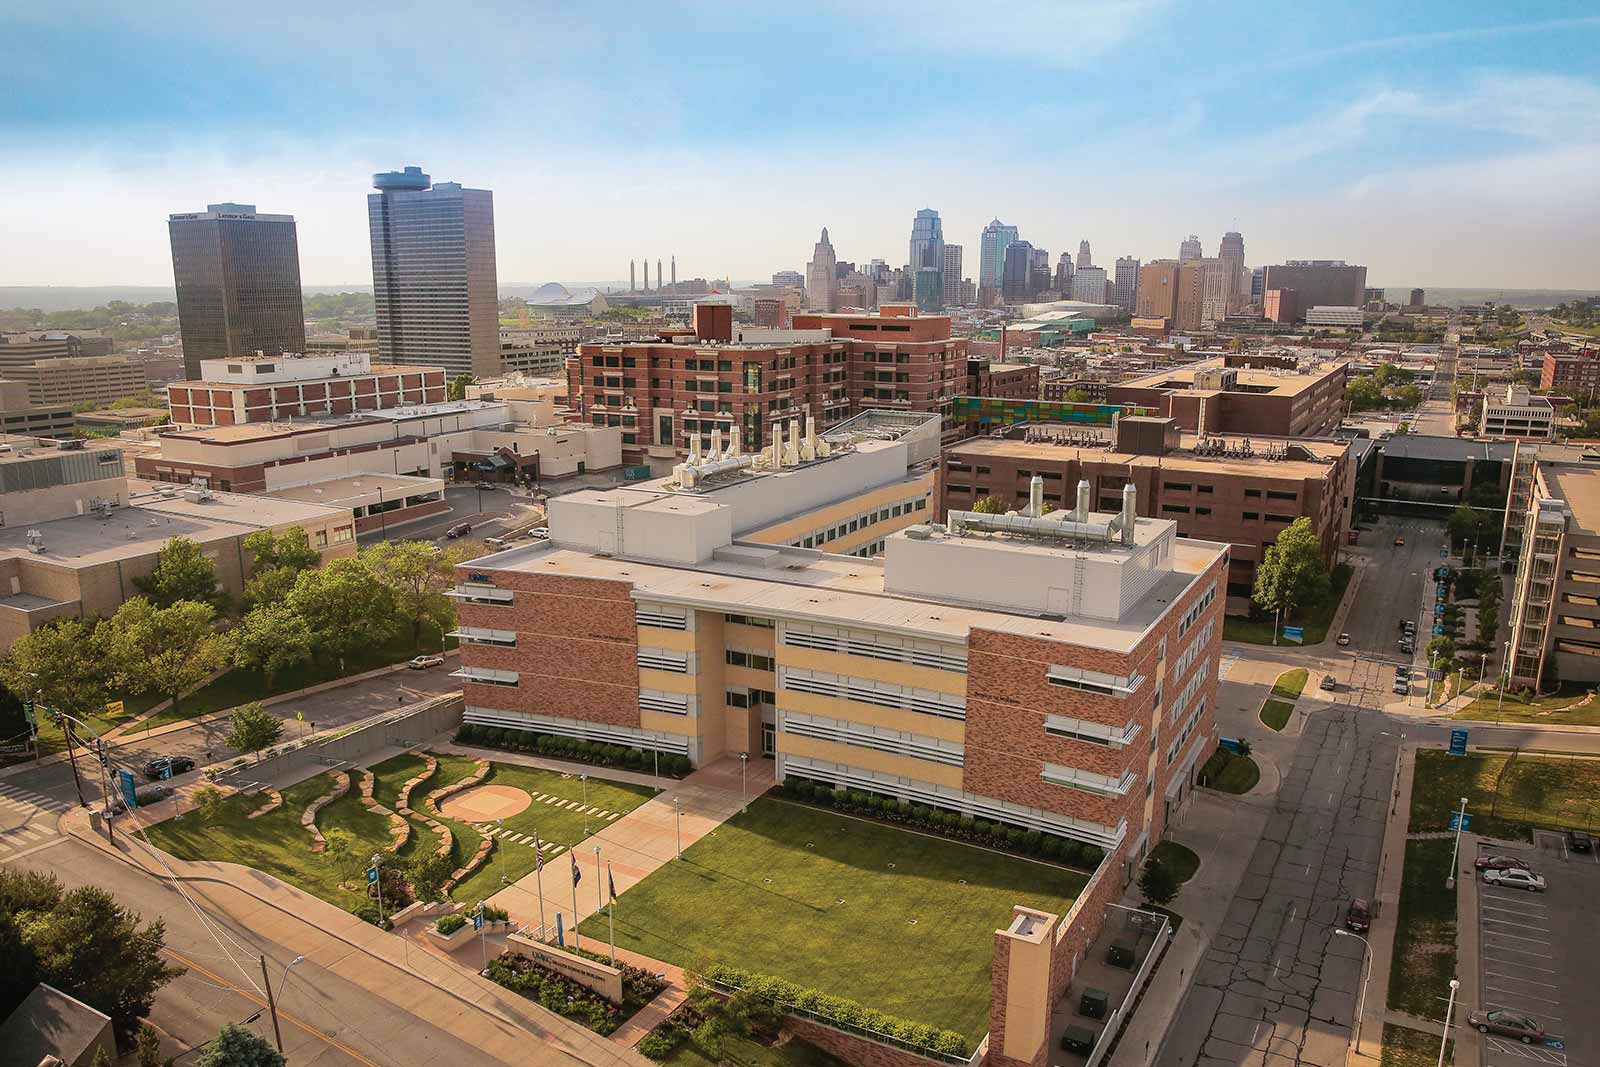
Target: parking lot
1537, 956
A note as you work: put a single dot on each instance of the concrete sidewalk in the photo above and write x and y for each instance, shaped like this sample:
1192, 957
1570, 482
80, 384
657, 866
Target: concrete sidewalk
506, 1028
634, 846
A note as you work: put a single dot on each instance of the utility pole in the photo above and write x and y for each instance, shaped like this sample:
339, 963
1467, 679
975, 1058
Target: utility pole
272, 1005
72, 757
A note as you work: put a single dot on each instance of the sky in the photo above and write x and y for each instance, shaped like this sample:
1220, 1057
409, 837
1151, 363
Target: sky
1439, 142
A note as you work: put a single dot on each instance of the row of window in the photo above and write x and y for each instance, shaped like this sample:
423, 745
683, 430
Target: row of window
874, 646
750, 620
1095, 733
1183, 733
1087, 781
1191, 616
664, 659
749, 698
870, 691
474, 635
756, 661
861, 735
661, 700
1193, 649
662, 617
865, 520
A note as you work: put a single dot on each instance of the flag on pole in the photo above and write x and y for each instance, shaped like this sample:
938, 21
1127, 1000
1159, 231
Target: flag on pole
611, 883
577, 875
538, 854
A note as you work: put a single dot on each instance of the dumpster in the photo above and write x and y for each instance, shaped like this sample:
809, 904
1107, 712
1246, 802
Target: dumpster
1093, 1003
1121, 952
1079, 1039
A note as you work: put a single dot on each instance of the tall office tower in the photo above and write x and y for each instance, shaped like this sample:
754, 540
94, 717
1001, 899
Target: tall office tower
927, 241
821, 284
952, 275
1419, 298
1202, 294
1231, 253
238, 279
1190, 249
433, 273
1157, 296
1089, 285
1015, 276
1084, 259
1258, 291
1126, 288
1064, 273
1319, 282
929, 289
674, 274
992, 254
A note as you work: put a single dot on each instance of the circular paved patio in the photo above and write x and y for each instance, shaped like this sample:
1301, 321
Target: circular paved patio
484, 802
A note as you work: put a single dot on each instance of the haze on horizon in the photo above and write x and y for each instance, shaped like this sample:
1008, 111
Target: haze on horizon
1439, 144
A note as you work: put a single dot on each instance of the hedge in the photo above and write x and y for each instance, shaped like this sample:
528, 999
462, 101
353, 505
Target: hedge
449, 924
841, 1011
572, 748
1030, 843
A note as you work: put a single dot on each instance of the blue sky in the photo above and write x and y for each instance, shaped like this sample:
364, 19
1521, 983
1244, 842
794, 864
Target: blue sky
1451, 144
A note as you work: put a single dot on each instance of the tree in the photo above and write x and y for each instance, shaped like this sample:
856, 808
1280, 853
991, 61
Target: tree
1462, 524
1075, 396
149, 1047
162, 650
345, 608
270, 638
457, 389
989, 505
91, 948
252, 728
237, 1047
182, 572
417, 573
23, 894
58, 666
277, 558
207, 804
1292, 573
1443, 647
1157, 883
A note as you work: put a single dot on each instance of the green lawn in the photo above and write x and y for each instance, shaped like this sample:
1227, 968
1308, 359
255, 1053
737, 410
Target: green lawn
278, 845
1228, 773
1275, 713
558, 826
826, 901
1291, 684
1548, 791
1405, 1047
1552, 709
1425, 932
743, 1052
1315, 621
1181, 861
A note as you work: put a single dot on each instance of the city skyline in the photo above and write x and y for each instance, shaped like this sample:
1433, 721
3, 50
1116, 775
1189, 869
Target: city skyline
1385, 133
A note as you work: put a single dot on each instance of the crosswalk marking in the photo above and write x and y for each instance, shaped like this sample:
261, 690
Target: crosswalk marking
613, 815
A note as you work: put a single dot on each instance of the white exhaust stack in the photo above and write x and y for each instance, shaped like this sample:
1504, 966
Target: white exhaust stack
808, 446
1082, 514
715, 452
1130, 512
791, 451
694, 449
777, 446
1035, 497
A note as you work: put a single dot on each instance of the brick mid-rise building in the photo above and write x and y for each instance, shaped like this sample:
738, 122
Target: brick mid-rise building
233, 392
1576, 374
1230, 394
744, 380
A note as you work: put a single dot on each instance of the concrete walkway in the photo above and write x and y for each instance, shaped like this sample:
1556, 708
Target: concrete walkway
506, 1028
634, 846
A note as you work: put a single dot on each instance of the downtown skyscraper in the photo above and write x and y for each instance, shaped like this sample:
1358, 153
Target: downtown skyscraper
237, 274
927, 241
433, 273
992, 254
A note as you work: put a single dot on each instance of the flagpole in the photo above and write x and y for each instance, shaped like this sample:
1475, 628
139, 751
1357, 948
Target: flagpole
538, 880
611, 913
577, 942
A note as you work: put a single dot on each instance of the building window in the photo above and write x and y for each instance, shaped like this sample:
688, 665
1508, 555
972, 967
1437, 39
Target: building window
756, 661
1175, 509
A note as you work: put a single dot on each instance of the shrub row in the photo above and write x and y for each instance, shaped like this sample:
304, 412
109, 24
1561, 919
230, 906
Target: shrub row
559, 994
945, 823
843, 1012
639, 986
571, 748
449, 924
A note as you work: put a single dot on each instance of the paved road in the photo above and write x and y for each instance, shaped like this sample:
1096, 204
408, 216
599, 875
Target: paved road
496, 508
204, 742
325, 1020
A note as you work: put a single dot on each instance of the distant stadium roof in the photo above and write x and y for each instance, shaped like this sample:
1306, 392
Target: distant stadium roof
554, 294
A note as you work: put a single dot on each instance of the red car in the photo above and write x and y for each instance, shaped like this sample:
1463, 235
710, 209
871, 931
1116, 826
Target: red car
1508, 1023
1359, 917
1503, 863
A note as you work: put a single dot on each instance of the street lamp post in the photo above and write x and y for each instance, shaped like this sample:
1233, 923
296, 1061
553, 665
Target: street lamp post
677, 810
1505, 679
1461, 820
1455, 984
744, 795
378, 883
500, 825
1361, 1000
599, 890
584, 779
1433, 659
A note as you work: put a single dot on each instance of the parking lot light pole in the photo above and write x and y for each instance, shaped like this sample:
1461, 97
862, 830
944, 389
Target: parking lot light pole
744, 795
1455, 984
677, 810
1361, 1000
1455, 852
1505, 680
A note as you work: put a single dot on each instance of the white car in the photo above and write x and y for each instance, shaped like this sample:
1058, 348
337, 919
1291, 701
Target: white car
1515, 878
422, 663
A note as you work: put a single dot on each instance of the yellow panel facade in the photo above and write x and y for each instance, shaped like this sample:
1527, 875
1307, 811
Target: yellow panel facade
666, 723
655, 637
911, 722
749, 638
750, 678
710, 641
869, 759
666, 681
879, 670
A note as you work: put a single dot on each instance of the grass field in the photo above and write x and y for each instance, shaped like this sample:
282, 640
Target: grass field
1180, 860
1275, 713
1557, 708
1425, 932
1405, 1047
1228, 773
1315, 621
823, 900
1553, 792
1291, 684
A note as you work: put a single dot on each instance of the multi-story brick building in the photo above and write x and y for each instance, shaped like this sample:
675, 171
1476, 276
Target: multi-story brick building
1555, 605
1577, 374
1006, 381
1213, 491
1052, 672
232, 392
748, 379
1227, 394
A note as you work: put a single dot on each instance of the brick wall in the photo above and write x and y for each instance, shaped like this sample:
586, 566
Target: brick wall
854, 1050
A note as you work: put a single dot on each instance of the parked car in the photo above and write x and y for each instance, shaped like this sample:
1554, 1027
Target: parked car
460, 529
1510, 1023
1402, 687
1407, 647
1503, 863
1579, 841
1358, 917
422, 663
1344, 639
1515, 878
1410, 628
1327, 682
1399, 540
487, 487
167, 767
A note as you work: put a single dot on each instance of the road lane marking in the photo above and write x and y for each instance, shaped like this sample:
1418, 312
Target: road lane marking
1519, 978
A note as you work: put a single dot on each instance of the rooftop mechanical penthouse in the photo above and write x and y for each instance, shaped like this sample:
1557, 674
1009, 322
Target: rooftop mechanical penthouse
1054, 671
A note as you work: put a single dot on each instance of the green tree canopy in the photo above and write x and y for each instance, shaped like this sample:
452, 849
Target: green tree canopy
163, 650
1292, 573
252, 728
59, 666
182, 572
277, 558
345, 607
270, 638
989, 505
457, 389
1157, 883
237, 1047
417, 573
